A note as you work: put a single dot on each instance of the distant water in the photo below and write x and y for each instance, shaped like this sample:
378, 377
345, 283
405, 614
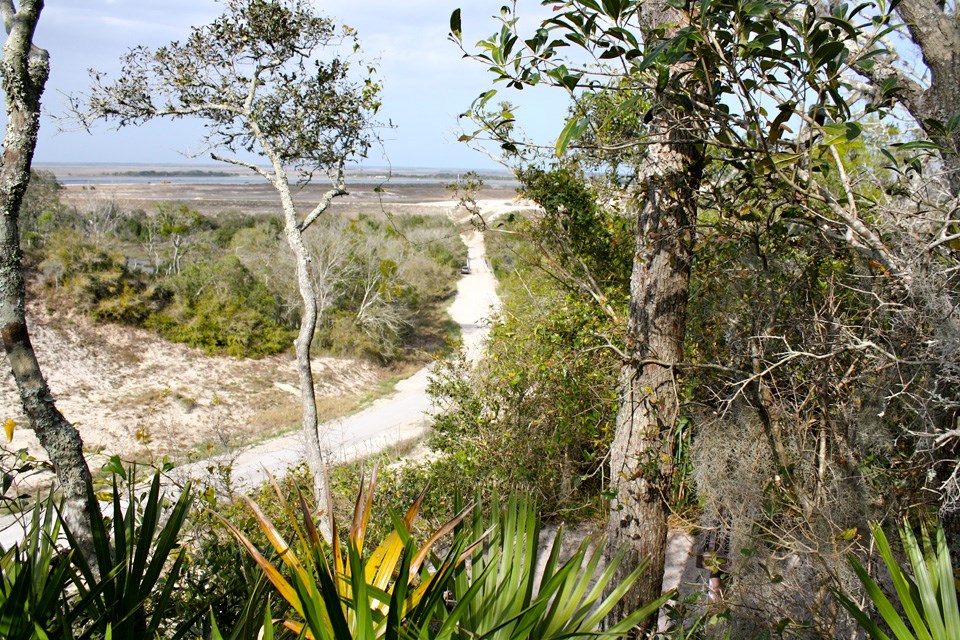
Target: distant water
133, 174
356, 180
93, 180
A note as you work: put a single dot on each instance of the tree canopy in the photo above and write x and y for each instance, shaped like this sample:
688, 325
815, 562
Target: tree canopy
270, 78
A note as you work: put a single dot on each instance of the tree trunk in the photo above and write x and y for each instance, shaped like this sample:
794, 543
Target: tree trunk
641, 453
25, 70
937, 33
308, 324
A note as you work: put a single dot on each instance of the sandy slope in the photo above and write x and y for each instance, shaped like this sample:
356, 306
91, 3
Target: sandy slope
133, 394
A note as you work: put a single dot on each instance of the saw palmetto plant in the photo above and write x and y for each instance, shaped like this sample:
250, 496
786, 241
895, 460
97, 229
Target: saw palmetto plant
351, 594
928, 608
492, 583
509, 589
33, 579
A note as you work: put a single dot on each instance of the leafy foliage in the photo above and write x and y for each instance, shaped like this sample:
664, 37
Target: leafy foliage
538, 411
398, 591
384, 283
220, 307
126, 586
40, 207
501, 593
928, 598
98, 281
34, 577
222, 284
794, 59
308, 109
353, 596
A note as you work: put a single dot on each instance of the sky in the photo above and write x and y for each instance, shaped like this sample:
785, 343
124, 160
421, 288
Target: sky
426, 81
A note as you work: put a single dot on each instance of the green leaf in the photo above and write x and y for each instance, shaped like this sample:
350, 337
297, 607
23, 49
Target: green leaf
843, 24
574, 129
214, 630
917, 145
948, 592
827, 52
853, 130
455, 29
880, 601
776, 127
115, 466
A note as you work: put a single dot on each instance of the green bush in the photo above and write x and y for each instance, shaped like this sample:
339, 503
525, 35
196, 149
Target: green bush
382, 289
41, 211
226, 226
34, 578
538, 412
98, 282
126, 586
384, 303
220, 307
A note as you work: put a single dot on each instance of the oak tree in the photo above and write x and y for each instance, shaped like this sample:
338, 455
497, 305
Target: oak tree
723, 82
270, 78
24, 70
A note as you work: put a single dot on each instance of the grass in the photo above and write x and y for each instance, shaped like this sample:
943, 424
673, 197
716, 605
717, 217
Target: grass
380, 389
280, 420
436, 336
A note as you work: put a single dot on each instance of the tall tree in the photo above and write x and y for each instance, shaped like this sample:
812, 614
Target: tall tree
271, 78
724, 76
24, 72
664, 201
932, 98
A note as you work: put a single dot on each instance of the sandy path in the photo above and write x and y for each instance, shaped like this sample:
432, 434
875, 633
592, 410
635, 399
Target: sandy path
401, 416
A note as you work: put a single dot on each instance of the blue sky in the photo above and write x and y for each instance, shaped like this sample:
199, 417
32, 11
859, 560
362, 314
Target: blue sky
426, 81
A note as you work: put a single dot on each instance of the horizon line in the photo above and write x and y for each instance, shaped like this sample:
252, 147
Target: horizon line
240, 170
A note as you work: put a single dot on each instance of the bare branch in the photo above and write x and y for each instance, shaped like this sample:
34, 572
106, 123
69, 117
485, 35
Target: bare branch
339, 189
242, 163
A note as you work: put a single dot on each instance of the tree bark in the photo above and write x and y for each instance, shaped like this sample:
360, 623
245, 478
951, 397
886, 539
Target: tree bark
938, 35
308, 325
641, 458
641, 453
24, 72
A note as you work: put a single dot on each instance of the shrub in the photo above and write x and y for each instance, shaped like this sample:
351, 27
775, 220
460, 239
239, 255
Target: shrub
537, 413
220, 307
98, 282
41, 209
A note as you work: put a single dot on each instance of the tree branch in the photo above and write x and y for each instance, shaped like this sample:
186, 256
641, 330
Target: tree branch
243, 163
339, 189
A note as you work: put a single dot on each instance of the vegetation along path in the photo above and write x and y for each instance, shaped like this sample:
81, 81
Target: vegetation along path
401, 416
